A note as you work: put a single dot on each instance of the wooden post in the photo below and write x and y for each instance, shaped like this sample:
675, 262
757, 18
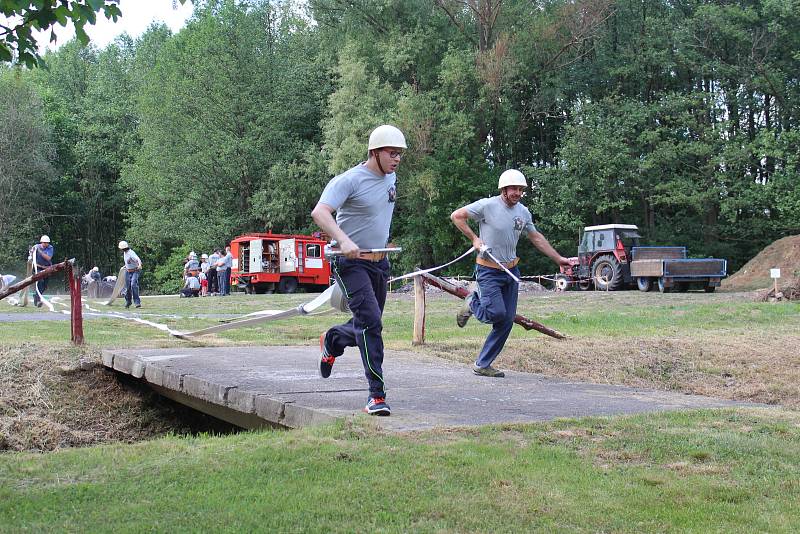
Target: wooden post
76, 316
419, 311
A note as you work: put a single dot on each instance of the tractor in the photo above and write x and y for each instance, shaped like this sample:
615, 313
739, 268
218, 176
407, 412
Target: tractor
603, 258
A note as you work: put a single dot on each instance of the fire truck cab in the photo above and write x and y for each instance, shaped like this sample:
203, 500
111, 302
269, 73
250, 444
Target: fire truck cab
267, 262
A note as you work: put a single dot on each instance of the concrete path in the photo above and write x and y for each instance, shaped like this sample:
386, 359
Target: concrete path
255, 386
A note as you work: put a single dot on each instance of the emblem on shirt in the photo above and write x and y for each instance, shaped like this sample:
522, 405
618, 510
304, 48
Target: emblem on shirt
519, 224
392, 194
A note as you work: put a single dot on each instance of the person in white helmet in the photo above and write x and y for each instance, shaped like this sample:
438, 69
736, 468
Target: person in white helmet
42, 254
363, 199
133, 269
502, 219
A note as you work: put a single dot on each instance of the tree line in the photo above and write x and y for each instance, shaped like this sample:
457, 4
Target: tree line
678, 116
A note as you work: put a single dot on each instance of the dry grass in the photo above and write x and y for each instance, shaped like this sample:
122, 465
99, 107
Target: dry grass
747, 366
52, 398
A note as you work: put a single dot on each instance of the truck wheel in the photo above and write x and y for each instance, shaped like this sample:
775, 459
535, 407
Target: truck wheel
607, 273
709, 289
562, 282
661, 287
644, 284
287, 285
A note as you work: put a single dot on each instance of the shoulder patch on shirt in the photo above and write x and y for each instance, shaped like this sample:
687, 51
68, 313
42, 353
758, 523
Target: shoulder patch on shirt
392, 194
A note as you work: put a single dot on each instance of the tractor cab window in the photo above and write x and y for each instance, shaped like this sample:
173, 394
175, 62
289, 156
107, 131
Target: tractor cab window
586, 243
313, 251
629, 238
603, 240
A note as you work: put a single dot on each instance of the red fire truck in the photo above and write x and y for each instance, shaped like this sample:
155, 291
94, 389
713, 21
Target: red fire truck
266, 262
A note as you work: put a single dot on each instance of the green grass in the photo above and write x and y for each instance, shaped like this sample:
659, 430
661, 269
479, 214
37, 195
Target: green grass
702, 471
623, 314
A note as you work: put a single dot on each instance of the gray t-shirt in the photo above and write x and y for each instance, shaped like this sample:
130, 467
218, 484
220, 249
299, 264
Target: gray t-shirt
131, 260
227, 262
364, 204
501, 226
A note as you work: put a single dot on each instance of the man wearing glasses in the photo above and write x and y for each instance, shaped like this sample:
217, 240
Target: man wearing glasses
363, 199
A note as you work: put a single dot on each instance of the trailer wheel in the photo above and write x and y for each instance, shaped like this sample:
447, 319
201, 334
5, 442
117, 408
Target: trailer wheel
562, 282
607, 273
287, 285
584, 284
644, 283
661, 287
709, 288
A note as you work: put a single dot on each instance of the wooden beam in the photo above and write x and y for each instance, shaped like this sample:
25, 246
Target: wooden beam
460, 292
44, 273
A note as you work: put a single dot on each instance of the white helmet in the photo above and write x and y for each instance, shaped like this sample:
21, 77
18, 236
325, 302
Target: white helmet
123, 245
204, 256
44, 239
386, 135
511, 177
192, 255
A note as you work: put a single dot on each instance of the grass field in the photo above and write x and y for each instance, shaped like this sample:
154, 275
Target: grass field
698, 471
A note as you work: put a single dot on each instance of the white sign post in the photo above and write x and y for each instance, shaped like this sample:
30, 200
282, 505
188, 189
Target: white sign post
775, 274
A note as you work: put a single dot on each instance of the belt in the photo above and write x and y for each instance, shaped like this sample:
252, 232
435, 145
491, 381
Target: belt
371, 256
492, 265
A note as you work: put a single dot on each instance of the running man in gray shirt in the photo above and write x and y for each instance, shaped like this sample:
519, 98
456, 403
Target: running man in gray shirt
363, 199
502, 219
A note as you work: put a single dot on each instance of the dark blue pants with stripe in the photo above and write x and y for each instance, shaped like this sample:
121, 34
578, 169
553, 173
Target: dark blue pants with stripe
497, 306
364, 284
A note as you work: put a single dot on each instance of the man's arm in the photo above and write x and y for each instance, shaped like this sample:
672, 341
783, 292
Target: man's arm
43, 254
460, 218
544, 246
323, 216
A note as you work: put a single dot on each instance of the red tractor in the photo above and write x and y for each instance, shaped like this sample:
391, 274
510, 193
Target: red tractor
603, 259
610, 258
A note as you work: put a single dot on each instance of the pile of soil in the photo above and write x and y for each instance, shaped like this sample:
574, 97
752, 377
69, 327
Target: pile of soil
51, 398
783, 254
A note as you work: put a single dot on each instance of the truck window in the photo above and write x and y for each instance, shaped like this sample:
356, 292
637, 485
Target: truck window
313, 251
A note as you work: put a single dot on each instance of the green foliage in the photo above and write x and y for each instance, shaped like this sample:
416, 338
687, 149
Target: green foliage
27, 171
24, 16
678, 118
167, 276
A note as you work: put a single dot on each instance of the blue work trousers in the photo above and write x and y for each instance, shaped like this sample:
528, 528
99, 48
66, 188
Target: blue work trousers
363, 283
132, 287
223, 281
496, 305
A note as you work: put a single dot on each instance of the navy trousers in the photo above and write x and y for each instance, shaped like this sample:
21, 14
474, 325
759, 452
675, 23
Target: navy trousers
364, 285
496, 305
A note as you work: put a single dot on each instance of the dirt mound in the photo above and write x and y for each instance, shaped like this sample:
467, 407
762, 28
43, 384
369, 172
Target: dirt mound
783, 254
52, 398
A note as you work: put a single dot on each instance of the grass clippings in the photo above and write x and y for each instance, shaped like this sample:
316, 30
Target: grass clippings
57, 397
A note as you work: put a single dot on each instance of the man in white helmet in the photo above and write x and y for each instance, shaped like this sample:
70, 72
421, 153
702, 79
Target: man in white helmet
133, 269
42, 254
502, 219
363, 199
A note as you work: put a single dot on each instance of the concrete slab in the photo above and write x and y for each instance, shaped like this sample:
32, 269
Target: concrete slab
281, 386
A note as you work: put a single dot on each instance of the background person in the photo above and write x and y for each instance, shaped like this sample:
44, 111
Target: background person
502, 219
224, 272
133, 269
42, 253
213, 282
363, 199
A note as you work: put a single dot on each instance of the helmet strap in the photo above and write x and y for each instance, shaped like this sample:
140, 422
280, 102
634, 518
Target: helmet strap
376, 154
